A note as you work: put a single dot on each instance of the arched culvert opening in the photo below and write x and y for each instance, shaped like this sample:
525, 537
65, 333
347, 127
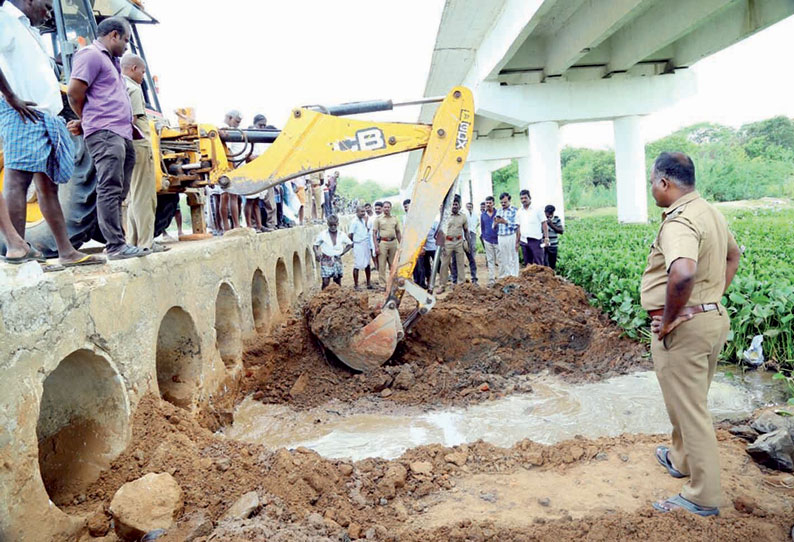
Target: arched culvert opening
309, 265
228, 337
297, 275
282, 286
83, 424
178, 360
260, 300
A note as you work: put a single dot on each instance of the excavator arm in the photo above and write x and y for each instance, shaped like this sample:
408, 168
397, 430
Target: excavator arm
316, 140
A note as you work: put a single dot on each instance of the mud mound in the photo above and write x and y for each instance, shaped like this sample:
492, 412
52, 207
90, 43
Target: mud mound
336, 314
476, 344
524, 325
306, 497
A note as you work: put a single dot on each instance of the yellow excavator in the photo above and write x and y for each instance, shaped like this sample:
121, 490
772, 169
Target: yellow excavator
193, 155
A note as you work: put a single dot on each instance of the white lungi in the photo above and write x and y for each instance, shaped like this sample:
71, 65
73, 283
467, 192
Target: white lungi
362, 256
508, 256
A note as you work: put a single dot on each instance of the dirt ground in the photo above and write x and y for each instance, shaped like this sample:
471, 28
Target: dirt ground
576, 490
476, 344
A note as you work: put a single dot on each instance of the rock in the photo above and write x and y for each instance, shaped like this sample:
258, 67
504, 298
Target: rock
98, 524
405, 379
223, 464
744, 431
138, 455
484, 387
384, 501
316, 521
199, 526
380, 381
488, 497
386, 393
146, 504
259, 395
354, 530
624, 458
545, 501
331, 525
345, 469
153, 535
300, 385
774, 450
456, 458
422, 467
601, 456
397, 474
744, 504
243, 507
768, 422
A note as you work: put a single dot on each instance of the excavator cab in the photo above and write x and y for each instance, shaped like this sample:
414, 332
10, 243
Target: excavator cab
73, 26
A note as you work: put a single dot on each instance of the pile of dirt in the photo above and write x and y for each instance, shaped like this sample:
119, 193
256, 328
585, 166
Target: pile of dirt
306, 497
477, 344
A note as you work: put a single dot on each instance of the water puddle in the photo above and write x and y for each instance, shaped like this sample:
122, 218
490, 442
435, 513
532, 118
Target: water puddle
555, 411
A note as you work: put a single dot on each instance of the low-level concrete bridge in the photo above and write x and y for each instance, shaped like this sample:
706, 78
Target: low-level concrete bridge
78, 349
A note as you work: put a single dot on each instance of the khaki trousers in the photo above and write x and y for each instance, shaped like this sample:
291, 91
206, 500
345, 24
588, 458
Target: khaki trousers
388, 250
684, 363
317, 201
491, 257
142, 199
450, 248
270, 209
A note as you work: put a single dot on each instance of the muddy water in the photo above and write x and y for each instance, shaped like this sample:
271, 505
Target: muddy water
555, 411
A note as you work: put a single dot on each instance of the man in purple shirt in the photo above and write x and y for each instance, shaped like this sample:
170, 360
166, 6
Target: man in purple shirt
98, 95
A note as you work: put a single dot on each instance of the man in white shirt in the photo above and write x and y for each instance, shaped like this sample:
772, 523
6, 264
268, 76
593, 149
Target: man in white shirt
36, 145
329, 248
532, 229
361, 235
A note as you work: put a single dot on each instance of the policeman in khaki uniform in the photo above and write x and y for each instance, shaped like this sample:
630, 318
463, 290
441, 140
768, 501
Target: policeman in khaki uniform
386, 228
691, 264
455, 242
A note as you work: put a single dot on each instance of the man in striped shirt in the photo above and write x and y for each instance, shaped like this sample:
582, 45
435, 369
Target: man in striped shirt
506, 228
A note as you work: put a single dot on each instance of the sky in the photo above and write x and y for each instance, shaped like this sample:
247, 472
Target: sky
269, 56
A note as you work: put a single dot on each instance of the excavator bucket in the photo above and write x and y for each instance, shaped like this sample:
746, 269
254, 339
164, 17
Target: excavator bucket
374, 343
442, 161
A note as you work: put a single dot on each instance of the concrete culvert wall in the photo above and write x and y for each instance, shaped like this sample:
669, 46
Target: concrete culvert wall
83, 424
309, 265
282, 286
228, 335
178, 358
297, 275
260, 300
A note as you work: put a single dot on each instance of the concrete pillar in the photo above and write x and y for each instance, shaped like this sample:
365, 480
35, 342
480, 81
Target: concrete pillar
481, 183
545, 169
630, 170
524, 174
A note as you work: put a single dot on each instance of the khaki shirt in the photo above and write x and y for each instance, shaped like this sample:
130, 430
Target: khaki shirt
387, 226
455, 225
691, 228
138, 103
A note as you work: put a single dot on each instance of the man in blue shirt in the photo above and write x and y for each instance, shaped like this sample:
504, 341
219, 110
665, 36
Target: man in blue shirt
490, 241
506, 228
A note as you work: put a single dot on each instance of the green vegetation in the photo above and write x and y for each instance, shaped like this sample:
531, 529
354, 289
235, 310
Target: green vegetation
755, 161
607, 259
367, 191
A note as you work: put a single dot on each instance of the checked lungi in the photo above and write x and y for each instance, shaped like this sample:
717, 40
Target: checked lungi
44, 146
330, 267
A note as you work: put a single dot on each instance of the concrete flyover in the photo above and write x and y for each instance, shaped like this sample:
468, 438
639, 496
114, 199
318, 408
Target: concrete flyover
535, 65
78, 349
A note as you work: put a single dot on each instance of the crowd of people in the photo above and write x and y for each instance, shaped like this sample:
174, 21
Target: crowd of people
509, 237
106, 95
